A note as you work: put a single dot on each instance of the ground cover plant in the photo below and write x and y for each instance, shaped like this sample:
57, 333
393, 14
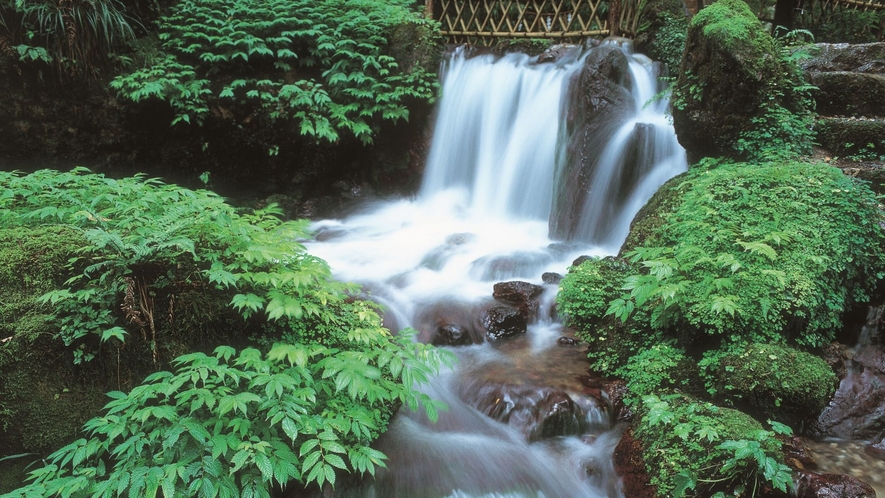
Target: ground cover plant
323, 66
299, 407
730, 275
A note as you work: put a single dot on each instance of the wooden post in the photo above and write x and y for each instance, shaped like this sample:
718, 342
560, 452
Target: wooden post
428, 9
614, 18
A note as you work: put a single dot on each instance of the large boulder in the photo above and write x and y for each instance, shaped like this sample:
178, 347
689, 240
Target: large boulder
600, 103
731, 74
857, 411
858, 58
813, 485
523, 295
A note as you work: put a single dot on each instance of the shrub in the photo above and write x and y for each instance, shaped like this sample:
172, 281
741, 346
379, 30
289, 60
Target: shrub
322, 65
771, 381
754, 253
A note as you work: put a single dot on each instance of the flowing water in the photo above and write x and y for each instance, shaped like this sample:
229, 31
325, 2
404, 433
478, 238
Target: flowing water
482, 217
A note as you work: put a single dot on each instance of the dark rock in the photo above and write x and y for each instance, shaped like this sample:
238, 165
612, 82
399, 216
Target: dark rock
630, 466
726, 75
843, 93
876, 447
450, 323
580, 259
523, 295
859, 58
852, 136
601, 102
560, 53
451, 334
616, 391
536, 412
857, 410
813, 485
551, 278
797, 454
502, 321
568, 341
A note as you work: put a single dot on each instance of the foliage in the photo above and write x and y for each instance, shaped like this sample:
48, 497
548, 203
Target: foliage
141, 238
771, 381
843, 24
693, 448
237, 424
657, 368
226, 424
77, 35
320, 64
754, 253
586, 290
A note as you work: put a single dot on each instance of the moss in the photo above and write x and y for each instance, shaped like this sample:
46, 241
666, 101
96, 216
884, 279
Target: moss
586, 290
662, 29
775, 382
682, 434
864, 138
820, 233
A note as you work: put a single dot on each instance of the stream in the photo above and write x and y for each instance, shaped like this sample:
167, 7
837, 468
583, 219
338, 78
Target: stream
525, 417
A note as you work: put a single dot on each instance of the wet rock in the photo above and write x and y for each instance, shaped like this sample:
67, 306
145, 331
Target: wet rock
560, 53
859, 58
630, 466
601, 102
501, 322
536, 412
616, 390
876, 448
517, 265
857, 410
523, 295
451, 334
551, 278
567, 341
580, 259
450, 323
797, 454
813, 485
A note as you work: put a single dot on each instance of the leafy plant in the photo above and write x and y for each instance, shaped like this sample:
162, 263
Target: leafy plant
754, 253
322, 65
693, 448
238, 424
78, 35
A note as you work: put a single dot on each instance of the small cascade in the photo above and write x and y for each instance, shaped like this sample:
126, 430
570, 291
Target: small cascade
524, 419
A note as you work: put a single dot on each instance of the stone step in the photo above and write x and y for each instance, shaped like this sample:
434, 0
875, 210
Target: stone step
859, 58
845, 93
862, 138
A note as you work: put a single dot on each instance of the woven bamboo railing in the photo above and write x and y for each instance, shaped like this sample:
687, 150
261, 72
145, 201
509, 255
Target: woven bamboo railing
483, 22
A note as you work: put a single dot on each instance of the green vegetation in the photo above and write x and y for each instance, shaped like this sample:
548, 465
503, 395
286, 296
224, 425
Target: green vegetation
726, 266
772, 381
661, 33
140, 260
698, 448
754, 253
322, 66
76, 35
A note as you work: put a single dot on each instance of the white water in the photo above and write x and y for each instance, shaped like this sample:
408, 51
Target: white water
482, 217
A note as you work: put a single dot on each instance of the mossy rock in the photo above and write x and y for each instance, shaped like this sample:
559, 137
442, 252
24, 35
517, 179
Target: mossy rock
863, 138
587, 289
680, 434
845, 93
775, 382
663, 26
734, 212
731, 71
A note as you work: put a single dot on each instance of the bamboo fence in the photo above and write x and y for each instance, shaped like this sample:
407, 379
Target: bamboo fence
483, 22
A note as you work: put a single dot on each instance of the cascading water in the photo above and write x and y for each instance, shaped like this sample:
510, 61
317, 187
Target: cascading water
482, 217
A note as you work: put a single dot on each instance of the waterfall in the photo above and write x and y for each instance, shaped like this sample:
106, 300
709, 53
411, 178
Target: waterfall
483, 216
